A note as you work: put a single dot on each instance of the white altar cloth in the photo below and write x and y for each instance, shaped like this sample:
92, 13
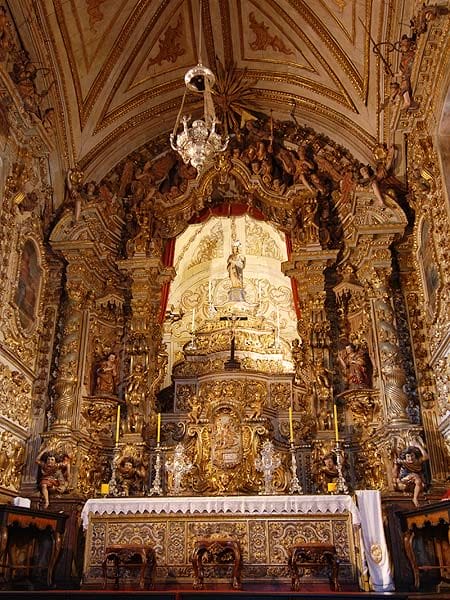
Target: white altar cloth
222, 504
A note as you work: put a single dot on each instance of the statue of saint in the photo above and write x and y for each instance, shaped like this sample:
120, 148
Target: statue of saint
235, 266
107, 374
357, 366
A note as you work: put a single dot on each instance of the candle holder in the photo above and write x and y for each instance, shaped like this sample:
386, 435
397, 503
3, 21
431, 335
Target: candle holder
156, 489
114, 489
341, 484
294, 487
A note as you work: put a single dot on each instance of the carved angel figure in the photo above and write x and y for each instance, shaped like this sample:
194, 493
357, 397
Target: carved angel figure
54, 473
328, 471
129, 476
409, 472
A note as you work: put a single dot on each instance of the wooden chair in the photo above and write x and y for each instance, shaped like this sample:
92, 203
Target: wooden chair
216, 549
129, 557
313, 556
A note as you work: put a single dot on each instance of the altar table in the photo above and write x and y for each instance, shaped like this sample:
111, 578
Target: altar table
266, 527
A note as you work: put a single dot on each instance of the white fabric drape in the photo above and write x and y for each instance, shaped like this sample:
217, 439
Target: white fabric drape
222, 504
375, 548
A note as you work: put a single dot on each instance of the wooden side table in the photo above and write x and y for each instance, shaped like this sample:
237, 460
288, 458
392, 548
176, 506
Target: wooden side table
217, 550
32, 523
431, 523
129, 556
313, 556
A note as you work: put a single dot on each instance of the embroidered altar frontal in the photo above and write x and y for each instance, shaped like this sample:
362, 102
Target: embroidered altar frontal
265, 539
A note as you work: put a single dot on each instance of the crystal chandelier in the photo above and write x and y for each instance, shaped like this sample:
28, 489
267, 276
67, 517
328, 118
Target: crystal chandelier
199, 143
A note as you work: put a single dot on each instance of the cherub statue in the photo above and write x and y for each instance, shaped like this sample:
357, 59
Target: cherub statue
328, 471
54, 473
408, 470
256, 404
129, 476
196, 409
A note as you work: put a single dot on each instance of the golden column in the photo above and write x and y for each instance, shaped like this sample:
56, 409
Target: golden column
147, 356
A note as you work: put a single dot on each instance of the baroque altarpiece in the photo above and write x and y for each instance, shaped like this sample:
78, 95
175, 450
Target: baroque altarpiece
122, 326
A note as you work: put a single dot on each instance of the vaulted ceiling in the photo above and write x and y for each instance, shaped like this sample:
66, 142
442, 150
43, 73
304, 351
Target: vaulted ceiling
119, 65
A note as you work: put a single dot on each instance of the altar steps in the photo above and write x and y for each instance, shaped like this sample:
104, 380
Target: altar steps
216, 594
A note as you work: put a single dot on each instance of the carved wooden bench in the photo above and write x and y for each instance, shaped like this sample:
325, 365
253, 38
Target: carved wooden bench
126, 557
313, 556
216, 549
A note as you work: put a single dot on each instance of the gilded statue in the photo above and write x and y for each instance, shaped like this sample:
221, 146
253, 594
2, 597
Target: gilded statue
74, 181
135, 399
196, 409
309, 229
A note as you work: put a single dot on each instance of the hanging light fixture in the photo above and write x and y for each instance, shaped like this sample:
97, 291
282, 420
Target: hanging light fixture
199, 143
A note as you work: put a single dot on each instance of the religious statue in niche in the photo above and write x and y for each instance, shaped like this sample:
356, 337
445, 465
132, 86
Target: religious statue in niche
28, 285
54, 473
107, 376
235, 266
309, 232
356, 366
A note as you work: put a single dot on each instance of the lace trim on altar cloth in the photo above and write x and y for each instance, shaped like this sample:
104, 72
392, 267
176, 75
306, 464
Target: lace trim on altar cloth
221, 504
